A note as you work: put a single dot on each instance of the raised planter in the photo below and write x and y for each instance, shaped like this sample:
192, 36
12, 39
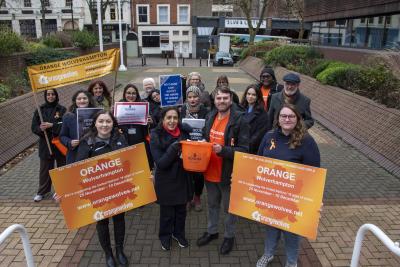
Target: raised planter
370, 127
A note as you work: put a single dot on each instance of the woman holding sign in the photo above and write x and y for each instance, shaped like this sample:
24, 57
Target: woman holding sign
104, 137
172, 184
101, 95
288, 141
195, 110
69, 130
52, 113
253, 104
135, 133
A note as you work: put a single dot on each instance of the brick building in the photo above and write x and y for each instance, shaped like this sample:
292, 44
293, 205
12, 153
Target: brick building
363, 24
163, 27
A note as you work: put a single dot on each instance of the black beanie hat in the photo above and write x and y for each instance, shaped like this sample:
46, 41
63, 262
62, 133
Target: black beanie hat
268, 70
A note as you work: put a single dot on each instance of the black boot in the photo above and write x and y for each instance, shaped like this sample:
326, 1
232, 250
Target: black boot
119, 235
104, 238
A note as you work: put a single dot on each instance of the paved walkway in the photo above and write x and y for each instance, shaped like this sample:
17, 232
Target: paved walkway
357, 192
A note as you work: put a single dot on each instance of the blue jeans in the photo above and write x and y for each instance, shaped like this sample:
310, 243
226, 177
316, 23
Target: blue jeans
292, 242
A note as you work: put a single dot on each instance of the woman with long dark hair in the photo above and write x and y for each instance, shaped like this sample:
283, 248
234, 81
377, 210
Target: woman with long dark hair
101, 94
253, 105
288, 141
52, 113
104, 137
69, 131
172, 184
154, 107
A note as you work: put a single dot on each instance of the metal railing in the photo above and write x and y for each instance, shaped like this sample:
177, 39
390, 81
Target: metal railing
25, 241
393, 246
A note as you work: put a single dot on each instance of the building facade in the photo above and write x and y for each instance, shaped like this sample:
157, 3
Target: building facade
25, 16
163, 27
371, 24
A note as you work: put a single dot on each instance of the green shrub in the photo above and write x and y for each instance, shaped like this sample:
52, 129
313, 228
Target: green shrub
65, 38
340, 74
258, 49
45, 55
84, 39
5, 92
33, 46
321, 65
52, 41
10, 42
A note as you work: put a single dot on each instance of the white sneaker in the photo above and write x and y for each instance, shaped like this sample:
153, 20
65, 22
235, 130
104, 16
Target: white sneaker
264, 260
38, 198
290, 265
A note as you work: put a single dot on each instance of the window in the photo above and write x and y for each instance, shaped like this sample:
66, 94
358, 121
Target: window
163, 14
68, 3
142, 12
176, 33
185, 33
112, 12
46, 3
183, 14
362, 20
388, 20
340, 22
3, 4
27, 3
380, 20
27, 28
371, 20
151, 39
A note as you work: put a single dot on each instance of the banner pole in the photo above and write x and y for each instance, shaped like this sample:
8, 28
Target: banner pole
115, 81
41, 121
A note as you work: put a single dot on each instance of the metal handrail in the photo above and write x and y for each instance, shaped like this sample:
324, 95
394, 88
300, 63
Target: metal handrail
393, 246
25, 241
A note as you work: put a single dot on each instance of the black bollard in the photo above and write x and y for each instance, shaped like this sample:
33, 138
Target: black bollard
183, 61
145, 61
200, 61
167, 60
142, 60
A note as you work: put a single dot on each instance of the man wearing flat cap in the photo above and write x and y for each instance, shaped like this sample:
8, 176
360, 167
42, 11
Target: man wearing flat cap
290, 94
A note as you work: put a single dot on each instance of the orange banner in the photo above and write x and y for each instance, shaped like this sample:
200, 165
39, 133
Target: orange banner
73, 70
103, 186
278, 193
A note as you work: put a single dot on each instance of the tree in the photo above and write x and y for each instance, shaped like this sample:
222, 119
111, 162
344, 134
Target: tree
246, 6
43, 4
296, 9
93, 11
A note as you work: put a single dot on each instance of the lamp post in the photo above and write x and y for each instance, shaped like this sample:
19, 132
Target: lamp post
99, 22
122, 66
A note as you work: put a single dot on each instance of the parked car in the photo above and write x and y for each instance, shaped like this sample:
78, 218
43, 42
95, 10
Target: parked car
223, 58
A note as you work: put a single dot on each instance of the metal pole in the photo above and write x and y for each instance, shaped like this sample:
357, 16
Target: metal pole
25, 241
122, 66
200, 61
183, 61
167, 59
72, 14
99, 22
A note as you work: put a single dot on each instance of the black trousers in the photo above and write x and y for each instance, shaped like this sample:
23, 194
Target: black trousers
198, 182
103, 232
172, 221
44, 177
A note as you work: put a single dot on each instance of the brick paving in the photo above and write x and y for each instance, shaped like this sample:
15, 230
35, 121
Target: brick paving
357, 191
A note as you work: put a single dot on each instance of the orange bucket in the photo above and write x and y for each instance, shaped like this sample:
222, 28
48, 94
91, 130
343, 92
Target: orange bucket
196, 155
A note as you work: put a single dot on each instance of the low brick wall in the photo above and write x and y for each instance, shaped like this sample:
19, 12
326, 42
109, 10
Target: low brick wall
370, 127
16, 118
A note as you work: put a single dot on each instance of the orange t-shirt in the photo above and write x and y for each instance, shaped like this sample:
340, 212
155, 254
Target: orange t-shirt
265, 93
217, 132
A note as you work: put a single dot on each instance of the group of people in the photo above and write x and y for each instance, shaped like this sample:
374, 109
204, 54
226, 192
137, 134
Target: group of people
269, 120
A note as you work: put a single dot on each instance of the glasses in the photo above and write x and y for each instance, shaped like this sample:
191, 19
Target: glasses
266, 76
285, 117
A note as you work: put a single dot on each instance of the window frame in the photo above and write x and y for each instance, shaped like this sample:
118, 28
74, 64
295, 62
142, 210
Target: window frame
27, 3
179, 14
158, 14
137, 14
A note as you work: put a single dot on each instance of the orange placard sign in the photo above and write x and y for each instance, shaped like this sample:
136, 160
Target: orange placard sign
103, 186
278, 193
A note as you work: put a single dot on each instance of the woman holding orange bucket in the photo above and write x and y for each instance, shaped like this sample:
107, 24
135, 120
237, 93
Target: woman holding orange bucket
172, 184
194, 109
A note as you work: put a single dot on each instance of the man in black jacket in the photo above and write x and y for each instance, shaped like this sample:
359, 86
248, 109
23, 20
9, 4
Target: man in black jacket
268, 86
291, 94
228, 132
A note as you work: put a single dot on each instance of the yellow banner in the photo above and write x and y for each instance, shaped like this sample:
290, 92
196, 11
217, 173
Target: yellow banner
73, 70
278, 193
103, 186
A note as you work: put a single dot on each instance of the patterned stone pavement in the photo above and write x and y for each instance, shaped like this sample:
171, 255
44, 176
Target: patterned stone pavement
357, 191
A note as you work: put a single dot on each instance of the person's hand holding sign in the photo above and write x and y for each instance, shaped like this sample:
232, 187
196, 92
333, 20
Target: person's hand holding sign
217, 148
74, 143
45, 125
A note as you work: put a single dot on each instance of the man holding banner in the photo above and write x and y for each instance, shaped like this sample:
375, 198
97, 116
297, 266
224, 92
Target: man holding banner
228, 132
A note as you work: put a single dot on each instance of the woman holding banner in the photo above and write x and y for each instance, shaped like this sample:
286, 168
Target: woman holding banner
172, 184
101, 95
104, 137
253, 105
135, 133
193, 109
52, 113
288, 141
69, 130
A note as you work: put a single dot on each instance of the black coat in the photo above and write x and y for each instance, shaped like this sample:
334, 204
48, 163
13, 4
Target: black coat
172, 184
52, 114
88, 147
236, 138
301, 102
258, 123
